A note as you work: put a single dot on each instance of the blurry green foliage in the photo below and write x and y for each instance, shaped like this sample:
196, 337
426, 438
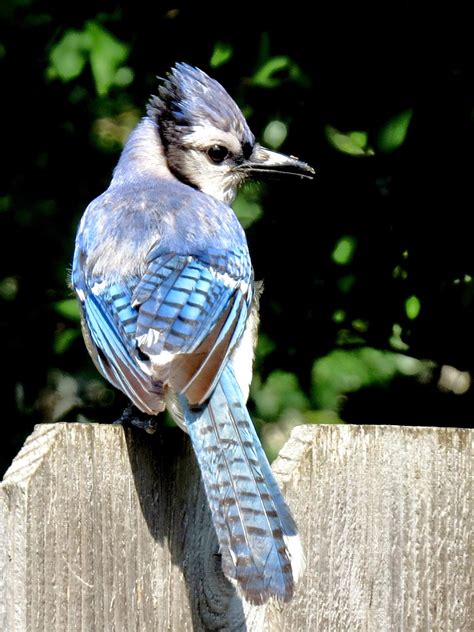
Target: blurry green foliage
105, 53
273, 72
346, 371
395, 340
8, 288
265, 346
68, 57
346, 283
69, 308
279, 393
247, 206
346, 259
64, 339
111, 132
344, 250
353, 143
274, 134
394, 132
339, 316
412, 307
221, 54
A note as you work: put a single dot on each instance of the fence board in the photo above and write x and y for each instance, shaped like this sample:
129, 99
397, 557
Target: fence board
106, 529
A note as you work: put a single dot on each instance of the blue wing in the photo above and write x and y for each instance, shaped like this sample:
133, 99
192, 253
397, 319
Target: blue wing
191, 312
175, 327
109, 324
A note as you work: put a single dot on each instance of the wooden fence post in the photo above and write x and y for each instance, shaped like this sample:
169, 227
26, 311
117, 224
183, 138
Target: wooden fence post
106, 529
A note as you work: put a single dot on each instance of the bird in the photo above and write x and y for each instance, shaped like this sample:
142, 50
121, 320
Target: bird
169, 309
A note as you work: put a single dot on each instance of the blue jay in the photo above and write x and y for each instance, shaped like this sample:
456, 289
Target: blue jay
170, 309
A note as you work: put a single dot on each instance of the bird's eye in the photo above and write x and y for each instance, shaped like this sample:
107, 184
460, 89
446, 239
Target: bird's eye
217, 153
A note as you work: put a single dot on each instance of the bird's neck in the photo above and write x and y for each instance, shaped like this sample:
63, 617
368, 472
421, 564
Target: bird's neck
143, 155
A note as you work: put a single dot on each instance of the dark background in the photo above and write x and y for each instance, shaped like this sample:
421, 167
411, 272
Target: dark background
368, 303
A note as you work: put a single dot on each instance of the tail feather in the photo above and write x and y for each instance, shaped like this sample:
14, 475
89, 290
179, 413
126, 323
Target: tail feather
256, 531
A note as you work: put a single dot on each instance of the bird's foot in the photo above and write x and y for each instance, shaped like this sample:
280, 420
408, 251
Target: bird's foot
132, 416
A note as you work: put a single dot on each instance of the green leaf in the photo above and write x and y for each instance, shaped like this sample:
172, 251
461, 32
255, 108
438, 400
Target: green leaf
395, 339
124, 76
339, 316
280, 392
264, 77
344, 250
359, 138
352, 143
107, 54
412, 307
360, 325
69, 308
8, 288
221, 54
394, 132
275, 133
64, 340
347, 371
67, 58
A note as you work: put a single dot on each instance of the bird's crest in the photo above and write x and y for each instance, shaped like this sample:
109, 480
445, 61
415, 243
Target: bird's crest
189, 98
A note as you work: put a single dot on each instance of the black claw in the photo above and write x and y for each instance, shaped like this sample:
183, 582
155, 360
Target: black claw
132, 416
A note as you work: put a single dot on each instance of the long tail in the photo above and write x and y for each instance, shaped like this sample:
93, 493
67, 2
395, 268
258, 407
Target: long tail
258, 537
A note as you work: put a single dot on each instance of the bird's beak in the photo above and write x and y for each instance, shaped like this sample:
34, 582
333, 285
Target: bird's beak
264, 162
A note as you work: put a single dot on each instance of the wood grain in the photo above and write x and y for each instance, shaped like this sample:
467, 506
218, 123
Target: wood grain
106, 529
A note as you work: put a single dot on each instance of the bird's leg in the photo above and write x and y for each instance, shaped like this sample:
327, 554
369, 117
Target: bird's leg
132, 416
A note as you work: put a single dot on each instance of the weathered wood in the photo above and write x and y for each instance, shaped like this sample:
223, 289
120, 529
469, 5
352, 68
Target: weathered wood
386, 517
106, 529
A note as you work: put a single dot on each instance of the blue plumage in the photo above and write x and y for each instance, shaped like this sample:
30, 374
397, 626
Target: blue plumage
251, 516
164, 278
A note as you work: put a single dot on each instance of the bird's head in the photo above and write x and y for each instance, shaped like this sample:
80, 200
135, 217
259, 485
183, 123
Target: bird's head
207, 141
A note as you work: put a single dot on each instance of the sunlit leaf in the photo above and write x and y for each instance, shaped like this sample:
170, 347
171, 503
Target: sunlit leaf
64, 340
107, 54
399, 273
359, 138
68, 308
344, 250
265, 75
124, 77
396, 338
67, 58
348, 338
221, 54
347, 371
412, 307
360, 325
274, 134
353, 143
339, 316
394, 132
281, 391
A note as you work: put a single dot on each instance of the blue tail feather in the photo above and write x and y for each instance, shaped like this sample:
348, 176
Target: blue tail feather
249, 512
